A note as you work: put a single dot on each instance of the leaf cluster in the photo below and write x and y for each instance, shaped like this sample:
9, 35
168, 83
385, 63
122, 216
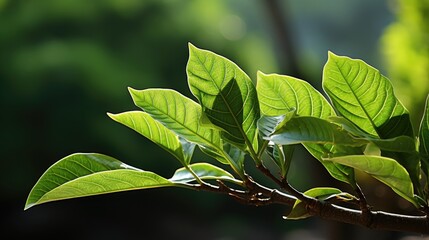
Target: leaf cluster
232, 118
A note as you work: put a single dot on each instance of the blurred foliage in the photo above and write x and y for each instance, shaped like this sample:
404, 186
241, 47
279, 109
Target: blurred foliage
64, 64
405, 46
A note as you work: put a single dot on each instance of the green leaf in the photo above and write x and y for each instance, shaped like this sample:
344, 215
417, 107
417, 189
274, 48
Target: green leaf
267, 125
144, 124
87, 174
313, 130
204, 171
424, 139
365, 97
280, 94
396, 144
179, 114
282, 156
226, 94
386, 170
299, 210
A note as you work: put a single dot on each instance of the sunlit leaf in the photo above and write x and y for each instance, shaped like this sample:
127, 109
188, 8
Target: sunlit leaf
179, 114
204, 171
226, 94
386, 170
279, 94
87, 174
365, 97
144, 124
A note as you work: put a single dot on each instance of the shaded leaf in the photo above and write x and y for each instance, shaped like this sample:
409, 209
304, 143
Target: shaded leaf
313, 130
282, 157
396, 144
424, 139
87, 174
386, 170
226, 94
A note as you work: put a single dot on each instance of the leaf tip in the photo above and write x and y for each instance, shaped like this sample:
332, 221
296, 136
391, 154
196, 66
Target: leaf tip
192, 47
331, 55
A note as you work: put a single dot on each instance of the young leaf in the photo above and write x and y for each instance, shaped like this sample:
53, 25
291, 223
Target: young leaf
424, 139
386, 170
204, 171
365, 97
299, 210
226, 94
144, 124
87, 174
313, 130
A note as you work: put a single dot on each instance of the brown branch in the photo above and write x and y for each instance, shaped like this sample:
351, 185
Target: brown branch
259, 195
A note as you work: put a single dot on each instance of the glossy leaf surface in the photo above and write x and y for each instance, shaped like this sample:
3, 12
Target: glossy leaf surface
279, 94
365, 97
144, 124
87, 174
386, 170
179, 114
203, 171
226, 94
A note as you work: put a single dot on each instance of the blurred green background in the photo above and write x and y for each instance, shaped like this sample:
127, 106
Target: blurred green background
65, 63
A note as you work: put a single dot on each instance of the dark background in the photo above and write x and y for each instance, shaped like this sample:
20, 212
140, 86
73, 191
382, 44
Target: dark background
64, 64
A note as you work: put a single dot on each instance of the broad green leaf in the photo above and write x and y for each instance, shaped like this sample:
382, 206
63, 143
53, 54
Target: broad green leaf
280, 94
87, 174
313, 130
365, 97
179, 114
226, 94
386, 170
424, 139
204, 171
299, 210
144, 124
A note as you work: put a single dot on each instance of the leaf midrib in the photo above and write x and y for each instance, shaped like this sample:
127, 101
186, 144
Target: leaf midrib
240, 128
354, 95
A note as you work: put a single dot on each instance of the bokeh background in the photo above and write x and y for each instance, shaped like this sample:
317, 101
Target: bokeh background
65, 63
